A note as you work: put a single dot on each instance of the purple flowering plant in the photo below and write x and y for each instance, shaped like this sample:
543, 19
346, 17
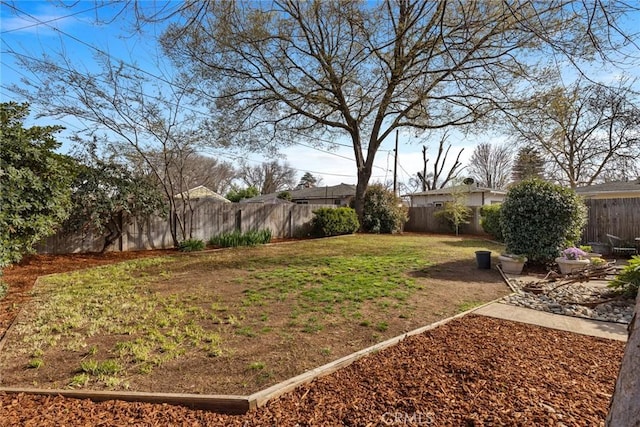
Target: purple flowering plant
573, 253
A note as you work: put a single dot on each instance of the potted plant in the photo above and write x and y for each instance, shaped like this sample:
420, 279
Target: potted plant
599, 247
571, 260
590, 253
511, 263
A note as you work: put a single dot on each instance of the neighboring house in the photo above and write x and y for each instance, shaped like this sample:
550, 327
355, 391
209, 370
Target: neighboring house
611, 190
475, 196
202, 192
339, 195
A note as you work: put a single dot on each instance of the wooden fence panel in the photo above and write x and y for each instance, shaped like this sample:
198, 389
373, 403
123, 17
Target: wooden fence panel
620, 217
422, 219
208, 219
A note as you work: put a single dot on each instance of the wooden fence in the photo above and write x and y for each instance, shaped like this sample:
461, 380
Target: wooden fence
422, 219
620, 217
209, 218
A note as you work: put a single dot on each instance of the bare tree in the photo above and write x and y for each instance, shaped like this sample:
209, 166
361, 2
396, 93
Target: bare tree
435, 178
363, 70
269, 177
147, 118
490, 165
587, 132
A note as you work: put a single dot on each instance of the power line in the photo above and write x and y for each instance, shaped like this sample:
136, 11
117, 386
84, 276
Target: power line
160, 78
36, 24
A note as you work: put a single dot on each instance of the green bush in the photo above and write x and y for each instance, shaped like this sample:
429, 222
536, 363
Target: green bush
628, 281
191, 245
383, 211
490, 221
334, 222
237, 238
539, 219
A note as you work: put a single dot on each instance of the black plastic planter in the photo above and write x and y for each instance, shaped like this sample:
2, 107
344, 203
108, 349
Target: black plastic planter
483, 258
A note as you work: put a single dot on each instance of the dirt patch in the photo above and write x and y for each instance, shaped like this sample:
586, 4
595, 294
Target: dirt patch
475, 371
273, 319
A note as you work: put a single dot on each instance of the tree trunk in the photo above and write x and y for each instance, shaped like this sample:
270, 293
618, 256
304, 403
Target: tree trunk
364, 175
624, 410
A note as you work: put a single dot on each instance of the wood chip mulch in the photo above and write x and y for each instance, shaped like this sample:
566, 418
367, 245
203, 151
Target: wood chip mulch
475, 371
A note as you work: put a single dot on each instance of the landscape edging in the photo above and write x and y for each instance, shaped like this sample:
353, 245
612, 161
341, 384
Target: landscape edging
231, 404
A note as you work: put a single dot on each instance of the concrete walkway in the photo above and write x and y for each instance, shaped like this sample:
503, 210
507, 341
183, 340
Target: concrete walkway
596, 328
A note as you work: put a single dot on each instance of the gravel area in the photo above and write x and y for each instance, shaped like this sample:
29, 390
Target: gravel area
590, 300
475, 371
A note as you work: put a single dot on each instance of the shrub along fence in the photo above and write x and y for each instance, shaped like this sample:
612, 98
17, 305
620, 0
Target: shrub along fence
209, 218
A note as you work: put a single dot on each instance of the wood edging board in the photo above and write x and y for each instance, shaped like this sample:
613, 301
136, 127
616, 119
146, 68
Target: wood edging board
227, 404
233, 404
260, 398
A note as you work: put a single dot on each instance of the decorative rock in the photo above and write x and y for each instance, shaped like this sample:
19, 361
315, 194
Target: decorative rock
567, 299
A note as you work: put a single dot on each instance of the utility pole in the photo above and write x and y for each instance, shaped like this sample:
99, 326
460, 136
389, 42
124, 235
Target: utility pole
395, 167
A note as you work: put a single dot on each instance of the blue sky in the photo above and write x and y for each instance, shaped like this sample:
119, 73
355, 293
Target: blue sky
32, 30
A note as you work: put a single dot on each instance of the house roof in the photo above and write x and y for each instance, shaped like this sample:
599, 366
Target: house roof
459, 188
202, 192
334, 192
632, 187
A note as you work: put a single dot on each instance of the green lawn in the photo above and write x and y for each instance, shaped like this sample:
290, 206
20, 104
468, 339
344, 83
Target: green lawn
241, 309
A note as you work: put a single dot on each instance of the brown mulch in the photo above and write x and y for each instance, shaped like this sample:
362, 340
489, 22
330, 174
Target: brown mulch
475, 371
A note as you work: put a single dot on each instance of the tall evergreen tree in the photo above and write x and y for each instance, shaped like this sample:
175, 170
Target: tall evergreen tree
528, 164
34, 183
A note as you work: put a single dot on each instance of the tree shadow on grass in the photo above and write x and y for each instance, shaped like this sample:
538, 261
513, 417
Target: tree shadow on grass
459, 270
470, 243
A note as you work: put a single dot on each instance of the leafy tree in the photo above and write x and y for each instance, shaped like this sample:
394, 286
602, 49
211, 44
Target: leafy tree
455, 212
308, 181
490, 164
236, 194
269, 177
288, 69
107, 196
285, 195
143, 120
587, 132
34, 183
539, 219
528, 164
383, 211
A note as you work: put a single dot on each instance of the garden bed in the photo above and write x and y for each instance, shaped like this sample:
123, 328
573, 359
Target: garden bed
475, 371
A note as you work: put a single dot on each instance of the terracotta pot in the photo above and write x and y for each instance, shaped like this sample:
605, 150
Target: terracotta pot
568, 266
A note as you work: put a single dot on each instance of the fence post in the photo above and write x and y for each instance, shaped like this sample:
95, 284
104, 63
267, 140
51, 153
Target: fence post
239, 220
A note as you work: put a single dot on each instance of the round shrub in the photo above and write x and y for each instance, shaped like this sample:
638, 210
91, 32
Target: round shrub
539, 219
334, 222
490, 221
383, 211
